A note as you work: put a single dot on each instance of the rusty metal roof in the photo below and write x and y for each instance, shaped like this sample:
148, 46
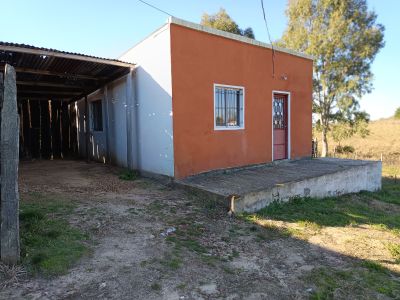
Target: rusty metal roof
54, 74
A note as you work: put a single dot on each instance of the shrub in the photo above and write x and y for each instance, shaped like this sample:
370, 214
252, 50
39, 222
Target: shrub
344, 149
129, 175
397, 114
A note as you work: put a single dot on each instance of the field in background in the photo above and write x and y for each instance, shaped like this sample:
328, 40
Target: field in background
382, 142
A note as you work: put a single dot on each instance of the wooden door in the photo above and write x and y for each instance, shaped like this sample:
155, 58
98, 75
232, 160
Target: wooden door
280, 126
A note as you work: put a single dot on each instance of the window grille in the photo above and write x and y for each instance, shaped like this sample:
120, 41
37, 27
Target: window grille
228, 107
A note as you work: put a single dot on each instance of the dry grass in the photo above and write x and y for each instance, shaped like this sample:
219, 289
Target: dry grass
10, 275
384, 138
382, 142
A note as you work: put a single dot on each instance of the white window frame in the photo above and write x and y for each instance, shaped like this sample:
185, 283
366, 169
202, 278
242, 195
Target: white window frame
241, 126
288, 125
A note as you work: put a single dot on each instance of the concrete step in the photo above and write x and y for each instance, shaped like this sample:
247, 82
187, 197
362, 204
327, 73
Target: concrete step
256, 187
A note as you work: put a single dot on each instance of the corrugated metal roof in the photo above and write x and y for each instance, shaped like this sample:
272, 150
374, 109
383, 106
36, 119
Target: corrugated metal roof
45, 50
54, 74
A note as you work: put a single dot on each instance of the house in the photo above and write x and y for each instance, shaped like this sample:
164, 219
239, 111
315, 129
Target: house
201, 99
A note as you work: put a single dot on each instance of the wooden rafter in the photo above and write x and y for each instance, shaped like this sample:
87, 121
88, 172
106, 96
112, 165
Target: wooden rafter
51, 73
48, 92
48, 84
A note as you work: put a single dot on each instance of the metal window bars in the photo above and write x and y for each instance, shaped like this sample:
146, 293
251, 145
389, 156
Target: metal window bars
228, 106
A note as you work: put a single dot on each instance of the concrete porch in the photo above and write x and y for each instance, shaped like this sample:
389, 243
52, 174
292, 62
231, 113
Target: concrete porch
256, 187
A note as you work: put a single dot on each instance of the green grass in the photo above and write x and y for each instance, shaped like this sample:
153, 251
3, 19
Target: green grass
129, 175
364, 281
156, 286
342, 211
394, 250
390, 192
49, 245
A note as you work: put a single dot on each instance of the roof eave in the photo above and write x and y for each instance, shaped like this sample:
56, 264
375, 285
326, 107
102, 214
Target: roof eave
48, 52
232, 36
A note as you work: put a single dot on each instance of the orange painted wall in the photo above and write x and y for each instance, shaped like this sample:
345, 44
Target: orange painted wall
199, 60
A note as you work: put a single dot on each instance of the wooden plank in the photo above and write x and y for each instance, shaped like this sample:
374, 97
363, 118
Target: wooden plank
45, 130
87, 135
34, 107
59, 74
49, 84
42, 98
80, 57
55, 128
73, 130
117, 76
1, 106
46, 92
9, 145
65, 127
26, 151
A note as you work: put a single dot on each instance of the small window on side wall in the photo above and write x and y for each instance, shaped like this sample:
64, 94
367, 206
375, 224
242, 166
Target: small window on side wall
228, 107
97, 115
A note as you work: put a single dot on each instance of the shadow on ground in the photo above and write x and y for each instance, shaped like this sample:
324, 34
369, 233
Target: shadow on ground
148, 241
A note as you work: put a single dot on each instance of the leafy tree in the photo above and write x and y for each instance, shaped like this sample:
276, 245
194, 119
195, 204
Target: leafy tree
222, 21
345, 128
344, 38
248, 32
397, 114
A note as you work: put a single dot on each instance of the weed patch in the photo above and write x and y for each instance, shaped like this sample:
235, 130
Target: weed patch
49, 245
312, 214
368, 281
394, 250
129, 175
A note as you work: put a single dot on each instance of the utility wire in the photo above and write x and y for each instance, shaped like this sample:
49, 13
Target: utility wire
269, 37
156, 8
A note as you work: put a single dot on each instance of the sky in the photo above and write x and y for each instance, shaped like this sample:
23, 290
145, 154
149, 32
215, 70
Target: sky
108, 28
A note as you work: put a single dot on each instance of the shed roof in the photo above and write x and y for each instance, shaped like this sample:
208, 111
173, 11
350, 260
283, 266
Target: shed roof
44, 73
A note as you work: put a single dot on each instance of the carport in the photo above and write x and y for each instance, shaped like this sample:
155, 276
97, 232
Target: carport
48, 83
38, 91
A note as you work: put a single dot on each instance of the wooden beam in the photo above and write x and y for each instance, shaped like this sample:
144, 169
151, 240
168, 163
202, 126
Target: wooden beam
87, 136
43, 98
60, 74
9, 145
102, 84
48, 84
80, 57
47, 92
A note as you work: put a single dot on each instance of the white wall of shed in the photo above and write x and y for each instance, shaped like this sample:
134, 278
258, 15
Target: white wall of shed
153, 101
111, 144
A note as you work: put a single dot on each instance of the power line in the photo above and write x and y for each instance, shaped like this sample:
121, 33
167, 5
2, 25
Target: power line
156, 8
269, 37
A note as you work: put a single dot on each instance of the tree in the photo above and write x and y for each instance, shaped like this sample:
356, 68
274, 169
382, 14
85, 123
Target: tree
397, 114
344, 38
345, 128
222, 21
248, 32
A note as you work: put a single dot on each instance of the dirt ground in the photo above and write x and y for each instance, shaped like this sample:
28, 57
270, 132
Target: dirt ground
209, 256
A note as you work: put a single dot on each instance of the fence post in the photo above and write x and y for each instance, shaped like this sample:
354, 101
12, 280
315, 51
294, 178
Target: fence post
1, 106
9, 146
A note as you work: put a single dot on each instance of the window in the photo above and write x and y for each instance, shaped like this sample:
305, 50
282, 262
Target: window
97, 115
228, 107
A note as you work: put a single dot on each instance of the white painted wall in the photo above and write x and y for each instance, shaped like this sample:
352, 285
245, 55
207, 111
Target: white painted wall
115, 102
153, 96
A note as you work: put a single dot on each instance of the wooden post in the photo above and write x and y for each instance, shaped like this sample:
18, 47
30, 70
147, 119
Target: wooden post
107, 124
1, 106
87, 136
9, 146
